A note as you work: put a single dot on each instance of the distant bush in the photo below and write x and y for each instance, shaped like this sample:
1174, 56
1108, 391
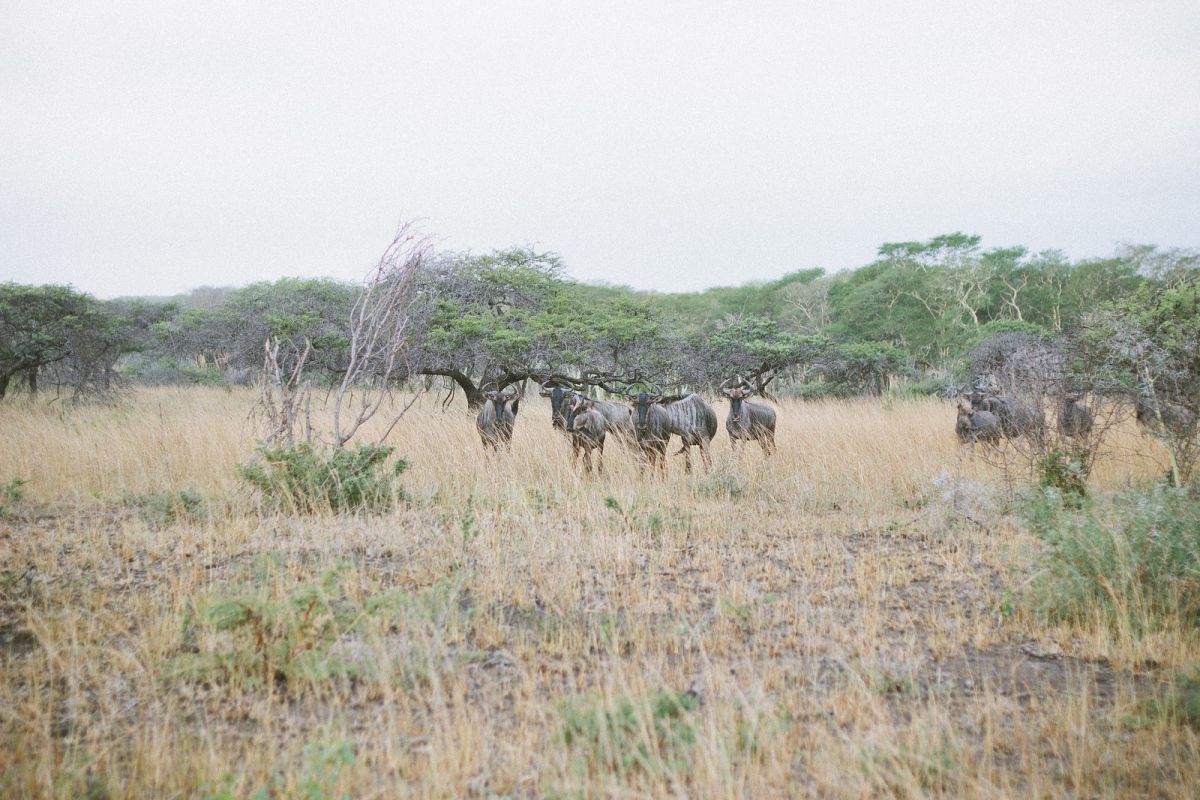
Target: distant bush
305, 479
820, 390
1136, 557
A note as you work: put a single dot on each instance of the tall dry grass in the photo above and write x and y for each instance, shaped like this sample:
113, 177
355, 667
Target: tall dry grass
833, 621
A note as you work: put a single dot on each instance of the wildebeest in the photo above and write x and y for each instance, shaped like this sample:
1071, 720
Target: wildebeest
1074, 417
748, 421
689, 418
651, 428
587, 427
1016, 417
976, 426
1177, 420
495, 420
560, 403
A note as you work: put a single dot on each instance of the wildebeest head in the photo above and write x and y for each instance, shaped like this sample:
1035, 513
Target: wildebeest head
736, 395
560, 401
501, 399
641, 402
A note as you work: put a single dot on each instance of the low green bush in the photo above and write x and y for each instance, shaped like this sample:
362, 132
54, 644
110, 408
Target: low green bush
305, 479
1136, 556
1064, 473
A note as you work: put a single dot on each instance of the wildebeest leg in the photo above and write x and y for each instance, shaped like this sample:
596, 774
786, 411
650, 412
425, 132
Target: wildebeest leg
687, 458
705, 453
767, 440
600, 458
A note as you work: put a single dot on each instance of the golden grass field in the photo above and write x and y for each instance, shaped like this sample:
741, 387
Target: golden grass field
840, 620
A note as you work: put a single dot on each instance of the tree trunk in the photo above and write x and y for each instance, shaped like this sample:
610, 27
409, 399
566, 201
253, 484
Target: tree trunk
475, 398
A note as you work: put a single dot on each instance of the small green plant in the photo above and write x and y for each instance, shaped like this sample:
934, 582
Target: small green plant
163, 509
323, 765
11, 495
650, 735
1179, 704
304, 479
1064, 473
1137, 557
723, 483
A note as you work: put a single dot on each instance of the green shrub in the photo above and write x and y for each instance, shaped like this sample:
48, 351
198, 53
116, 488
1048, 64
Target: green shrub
1064, 473
304, 479
10, 495
1136, 557
650, 735
202, 376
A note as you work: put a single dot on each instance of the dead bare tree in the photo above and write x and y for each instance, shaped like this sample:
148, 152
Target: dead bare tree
380, 328
284, 394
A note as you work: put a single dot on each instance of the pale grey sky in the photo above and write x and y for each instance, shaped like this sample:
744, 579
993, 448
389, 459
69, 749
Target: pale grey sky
152, 147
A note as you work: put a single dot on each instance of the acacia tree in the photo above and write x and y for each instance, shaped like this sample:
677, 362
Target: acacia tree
55, 335
1148, 346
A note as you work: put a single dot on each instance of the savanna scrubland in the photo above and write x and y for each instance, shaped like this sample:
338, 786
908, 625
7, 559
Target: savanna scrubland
211, 590
865, 613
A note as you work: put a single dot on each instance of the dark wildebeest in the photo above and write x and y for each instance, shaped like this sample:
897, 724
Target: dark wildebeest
976, 426
1016, 418
748, 421
1074, 417
587, 427
689, 418
616, 415
651, 428
495, 421
560, 403
1177, 420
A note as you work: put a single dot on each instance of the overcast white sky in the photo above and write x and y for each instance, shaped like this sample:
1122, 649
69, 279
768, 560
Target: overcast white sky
147, 148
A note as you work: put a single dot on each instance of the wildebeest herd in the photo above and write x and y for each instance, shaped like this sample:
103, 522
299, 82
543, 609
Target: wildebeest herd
645, 425
647, 422
988, 417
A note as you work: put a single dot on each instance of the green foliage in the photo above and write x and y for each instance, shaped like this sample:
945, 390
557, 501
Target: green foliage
1178, 704
10, 495
163, 509
1136, 558
1064, 475
304, 479
862, 368
651, 735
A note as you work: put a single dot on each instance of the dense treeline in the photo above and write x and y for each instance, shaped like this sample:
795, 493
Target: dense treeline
916, 312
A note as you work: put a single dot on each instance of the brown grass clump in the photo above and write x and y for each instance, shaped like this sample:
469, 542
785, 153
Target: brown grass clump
837, 620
